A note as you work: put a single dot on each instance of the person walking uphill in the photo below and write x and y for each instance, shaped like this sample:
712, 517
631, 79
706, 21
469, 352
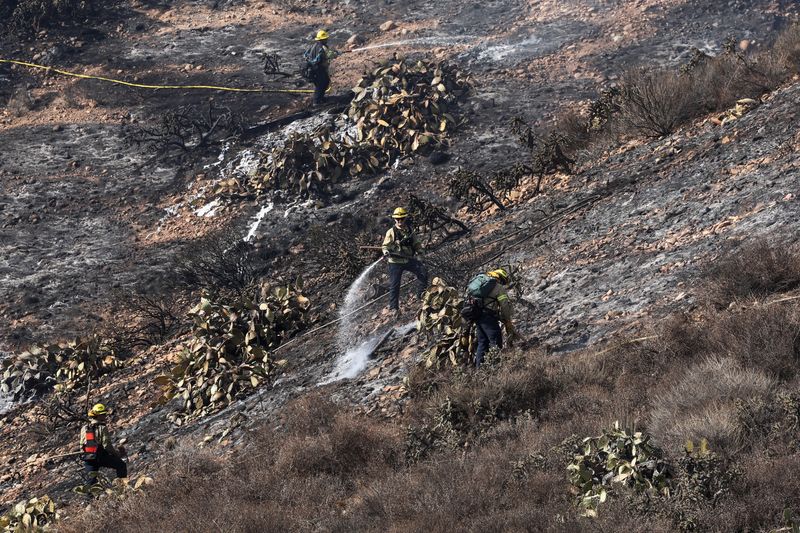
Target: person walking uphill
318, 57
400, 248
98, 451
487, 304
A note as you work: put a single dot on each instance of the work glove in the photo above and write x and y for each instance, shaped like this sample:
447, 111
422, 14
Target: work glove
512, 334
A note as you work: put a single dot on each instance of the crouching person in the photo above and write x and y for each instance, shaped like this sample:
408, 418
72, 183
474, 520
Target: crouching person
98, 450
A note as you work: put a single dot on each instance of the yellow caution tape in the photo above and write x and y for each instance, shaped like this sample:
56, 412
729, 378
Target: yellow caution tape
156, 87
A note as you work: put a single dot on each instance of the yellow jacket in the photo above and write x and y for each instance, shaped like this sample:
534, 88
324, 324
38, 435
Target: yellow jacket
400, 246
497, 301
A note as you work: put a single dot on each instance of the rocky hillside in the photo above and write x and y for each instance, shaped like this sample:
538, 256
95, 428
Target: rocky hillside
656, 273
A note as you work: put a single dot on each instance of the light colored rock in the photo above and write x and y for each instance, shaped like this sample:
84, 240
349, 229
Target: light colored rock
388, 25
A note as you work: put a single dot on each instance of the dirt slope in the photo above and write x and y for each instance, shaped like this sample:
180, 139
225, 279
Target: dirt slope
86, 211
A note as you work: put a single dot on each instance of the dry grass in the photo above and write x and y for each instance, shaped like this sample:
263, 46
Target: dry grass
655, 101
505, 435
703, 403
754, 270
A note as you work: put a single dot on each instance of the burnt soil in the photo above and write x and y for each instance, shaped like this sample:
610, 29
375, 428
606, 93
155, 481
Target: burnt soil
86, 212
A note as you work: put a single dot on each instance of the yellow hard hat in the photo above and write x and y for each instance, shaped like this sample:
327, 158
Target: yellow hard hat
321, 35
99, 409
400, 213
499, 274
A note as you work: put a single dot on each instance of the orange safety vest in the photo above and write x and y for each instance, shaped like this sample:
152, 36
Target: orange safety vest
90, 447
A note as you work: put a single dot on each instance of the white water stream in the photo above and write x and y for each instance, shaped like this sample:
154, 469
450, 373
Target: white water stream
353, 298
355, 352
420, 40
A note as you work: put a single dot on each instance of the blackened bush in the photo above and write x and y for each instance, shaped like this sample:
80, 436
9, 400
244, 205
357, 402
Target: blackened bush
220, 262
26, 17
754, 270
655, 102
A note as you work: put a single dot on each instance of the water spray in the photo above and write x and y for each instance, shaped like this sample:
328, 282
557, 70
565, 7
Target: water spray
442, 41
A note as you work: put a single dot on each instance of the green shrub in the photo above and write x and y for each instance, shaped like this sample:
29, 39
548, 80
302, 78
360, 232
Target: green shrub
32, 516
229, 353
616, 458
64, 366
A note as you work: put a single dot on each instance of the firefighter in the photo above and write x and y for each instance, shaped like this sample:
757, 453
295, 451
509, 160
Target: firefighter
400, 248
98, 451
318, 57
487, 305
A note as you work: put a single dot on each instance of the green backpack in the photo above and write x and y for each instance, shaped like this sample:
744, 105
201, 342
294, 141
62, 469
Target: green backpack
478, 290
481, 286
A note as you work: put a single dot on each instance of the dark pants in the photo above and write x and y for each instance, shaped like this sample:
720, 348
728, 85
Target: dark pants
396, 275
489, 334
322, 80
104, 460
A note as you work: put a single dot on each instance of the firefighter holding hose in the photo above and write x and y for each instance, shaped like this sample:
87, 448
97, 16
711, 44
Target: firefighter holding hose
401, 246
98, 451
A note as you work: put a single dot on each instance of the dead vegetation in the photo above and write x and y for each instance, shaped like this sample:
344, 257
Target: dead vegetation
217, 263
189, 128
752, 271
26, 17
491, 448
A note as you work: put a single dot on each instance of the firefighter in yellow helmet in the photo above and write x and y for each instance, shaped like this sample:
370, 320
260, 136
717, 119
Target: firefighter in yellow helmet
318, 57
98, 451
400, 248
487, 304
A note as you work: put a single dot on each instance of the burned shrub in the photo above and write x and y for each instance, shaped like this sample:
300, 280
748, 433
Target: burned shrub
220, 263
546, 151
655, 102
189, 128
336, 255
26, 17
475, 192
146, 318
547, 156
506, 180
432, 221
